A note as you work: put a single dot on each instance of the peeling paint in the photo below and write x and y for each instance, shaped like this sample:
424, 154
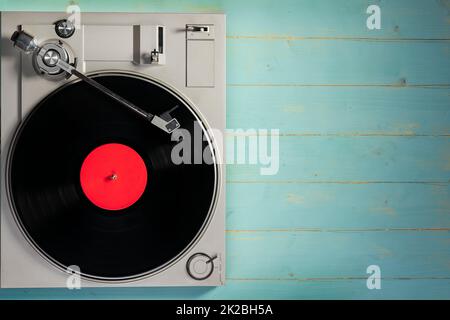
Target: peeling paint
294, 198
294, 109
386, 210
383, 252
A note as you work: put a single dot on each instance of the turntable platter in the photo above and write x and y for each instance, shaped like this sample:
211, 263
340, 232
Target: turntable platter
164, 216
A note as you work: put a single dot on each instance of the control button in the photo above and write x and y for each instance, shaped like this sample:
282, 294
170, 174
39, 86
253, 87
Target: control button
200, 266
64, 28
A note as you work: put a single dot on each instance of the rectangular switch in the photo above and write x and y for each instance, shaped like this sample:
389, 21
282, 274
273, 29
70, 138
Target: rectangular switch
200, 56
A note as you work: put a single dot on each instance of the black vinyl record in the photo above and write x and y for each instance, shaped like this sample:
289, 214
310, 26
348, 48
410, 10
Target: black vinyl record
56, 216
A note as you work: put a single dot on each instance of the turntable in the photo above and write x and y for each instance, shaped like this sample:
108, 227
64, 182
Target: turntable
90, 115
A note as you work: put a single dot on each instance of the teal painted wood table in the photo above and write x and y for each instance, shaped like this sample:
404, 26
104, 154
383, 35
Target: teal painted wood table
364, 126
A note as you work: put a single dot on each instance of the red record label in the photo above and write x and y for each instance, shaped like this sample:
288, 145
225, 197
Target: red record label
113, 176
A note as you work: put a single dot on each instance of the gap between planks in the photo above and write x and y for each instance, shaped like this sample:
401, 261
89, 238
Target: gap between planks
297, 230
341, 134
343, 38
294, 279
396, 85
434, 183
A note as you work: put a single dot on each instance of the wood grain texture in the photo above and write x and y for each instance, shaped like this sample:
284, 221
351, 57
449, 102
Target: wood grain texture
310, 62
364, 173
249, 289
338, 207
353, 159
326, 255
349, 111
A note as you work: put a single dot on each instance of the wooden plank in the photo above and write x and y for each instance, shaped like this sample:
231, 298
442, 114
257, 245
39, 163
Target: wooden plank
263, 289
309, 62
270, 19
340, 111
328, 207
329, 255
400, 19
354, 160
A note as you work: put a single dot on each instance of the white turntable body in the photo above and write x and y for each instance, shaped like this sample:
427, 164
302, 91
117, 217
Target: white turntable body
184, 51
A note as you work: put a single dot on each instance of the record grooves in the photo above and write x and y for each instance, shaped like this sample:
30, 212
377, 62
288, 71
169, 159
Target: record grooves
69, 229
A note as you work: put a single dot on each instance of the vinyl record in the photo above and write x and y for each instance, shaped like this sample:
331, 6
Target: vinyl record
70, 137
